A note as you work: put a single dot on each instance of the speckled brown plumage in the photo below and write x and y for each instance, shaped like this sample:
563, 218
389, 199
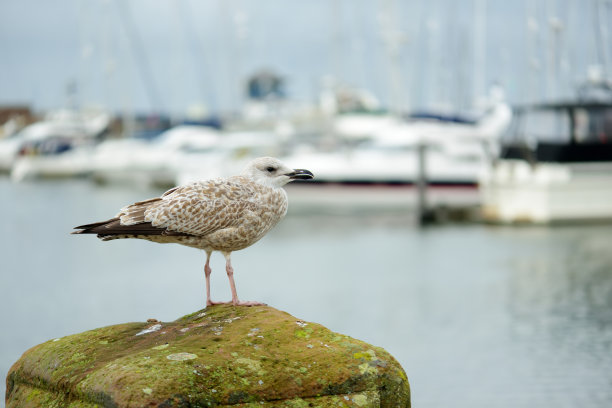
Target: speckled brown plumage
223, 215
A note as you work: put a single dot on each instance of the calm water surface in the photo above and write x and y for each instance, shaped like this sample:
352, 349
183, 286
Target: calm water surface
478, 316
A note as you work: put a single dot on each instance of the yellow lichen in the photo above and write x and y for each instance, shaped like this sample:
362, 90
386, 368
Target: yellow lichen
368, 355
366, 368
360, 400
252, 365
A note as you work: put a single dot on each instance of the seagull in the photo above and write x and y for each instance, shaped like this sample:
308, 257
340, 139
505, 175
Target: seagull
222, 214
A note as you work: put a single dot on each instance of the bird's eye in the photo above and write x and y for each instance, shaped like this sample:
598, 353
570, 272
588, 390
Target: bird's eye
270, 169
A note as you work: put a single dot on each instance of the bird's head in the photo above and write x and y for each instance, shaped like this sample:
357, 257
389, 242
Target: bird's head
273, 173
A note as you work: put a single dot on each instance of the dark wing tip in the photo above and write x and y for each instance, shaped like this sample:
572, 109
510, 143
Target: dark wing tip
113, 227
93, 228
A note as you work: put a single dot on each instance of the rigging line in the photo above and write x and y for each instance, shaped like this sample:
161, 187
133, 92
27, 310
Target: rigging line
601, 35
197, 51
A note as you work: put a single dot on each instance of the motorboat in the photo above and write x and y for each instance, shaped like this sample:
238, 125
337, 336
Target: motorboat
54, 147
151, 162
386, 162
388, 154
555, 165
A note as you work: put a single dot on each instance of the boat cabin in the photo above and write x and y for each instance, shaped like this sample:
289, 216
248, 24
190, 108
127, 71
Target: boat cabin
560, 132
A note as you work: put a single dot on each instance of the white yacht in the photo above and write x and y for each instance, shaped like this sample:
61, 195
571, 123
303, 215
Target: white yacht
388, 154
146, 162
54, 147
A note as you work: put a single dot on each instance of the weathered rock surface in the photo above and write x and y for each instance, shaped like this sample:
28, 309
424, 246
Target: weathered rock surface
223, 355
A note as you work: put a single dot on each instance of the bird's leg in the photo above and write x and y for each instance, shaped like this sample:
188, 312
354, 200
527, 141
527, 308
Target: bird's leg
230, 276
207, 272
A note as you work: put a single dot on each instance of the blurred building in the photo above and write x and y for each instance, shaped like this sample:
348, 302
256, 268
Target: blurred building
14, 118
265, 85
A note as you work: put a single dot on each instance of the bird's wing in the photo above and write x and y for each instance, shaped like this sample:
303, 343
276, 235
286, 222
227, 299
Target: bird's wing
135, 213
196, 209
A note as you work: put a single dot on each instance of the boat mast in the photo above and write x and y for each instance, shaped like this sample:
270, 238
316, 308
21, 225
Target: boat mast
393, 39
196, 50
554, 44
480, 49
142, 61
601, 34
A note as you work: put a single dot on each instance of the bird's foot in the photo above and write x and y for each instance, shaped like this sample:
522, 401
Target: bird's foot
235, 303
249, 303
212, 303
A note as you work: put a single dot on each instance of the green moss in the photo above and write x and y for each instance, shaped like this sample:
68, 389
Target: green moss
303, 333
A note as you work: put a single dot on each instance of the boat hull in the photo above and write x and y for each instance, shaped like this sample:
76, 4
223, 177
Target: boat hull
518, 192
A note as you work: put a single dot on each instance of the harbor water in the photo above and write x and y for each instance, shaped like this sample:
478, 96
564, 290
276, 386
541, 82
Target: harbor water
478, 315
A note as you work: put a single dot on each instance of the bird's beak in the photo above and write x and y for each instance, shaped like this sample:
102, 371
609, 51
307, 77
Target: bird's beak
300, 174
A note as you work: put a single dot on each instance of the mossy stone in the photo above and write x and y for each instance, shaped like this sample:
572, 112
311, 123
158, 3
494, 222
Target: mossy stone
220, 356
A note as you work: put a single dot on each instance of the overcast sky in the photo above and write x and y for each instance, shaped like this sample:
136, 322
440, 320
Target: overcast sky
167, 55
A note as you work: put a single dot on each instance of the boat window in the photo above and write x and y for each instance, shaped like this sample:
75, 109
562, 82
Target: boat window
593, 125
547, 125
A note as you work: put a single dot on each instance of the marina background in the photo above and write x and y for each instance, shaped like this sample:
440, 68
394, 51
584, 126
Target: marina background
478, 314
